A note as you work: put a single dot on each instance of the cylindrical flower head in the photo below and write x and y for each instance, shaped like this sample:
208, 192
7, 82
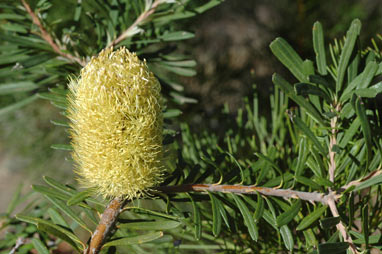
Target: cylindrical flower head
115, 110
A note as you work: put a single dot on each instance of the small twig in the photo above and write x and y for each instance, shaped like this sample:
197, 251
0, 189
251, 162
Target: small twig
106, 225
136, 23
358, 182
308, 196
48, 38
20, 241
332, 168
340, 226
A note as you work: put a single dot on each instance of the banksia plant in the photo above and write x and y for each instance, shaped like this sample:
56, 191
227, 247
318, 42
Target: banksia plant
115, 110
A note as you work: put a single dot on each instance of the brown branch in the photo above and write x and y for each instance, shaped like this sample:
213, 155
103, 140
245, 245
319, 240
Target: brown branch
115, 207
340, 226
332, 168
106, 225
136, 23
285, 193
20, 242
48, 38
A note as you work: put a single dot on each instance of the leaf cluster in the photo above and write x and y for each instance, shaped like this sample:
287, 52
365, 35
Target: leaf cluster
322, 136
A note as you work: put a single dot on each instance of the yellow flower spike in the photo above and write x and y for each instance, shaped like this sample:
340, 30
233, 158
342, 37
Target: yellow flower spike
115, 109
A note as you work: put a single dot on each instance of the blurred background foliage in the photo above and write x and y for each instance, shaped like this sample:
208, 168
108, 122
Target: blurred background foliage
231, 50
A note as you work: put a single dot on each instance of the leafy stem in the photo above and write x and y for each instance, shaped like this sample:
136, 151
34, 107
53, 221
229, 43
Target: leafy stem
48, 38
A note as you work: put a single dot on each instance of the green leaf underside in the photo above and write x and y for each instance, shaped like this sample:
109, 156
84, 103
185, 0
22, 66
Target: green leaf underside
319, 48
69, 212
135, 239
351, 37
311, 218
151, 225
248, 220
39, 246
47, 224
287, 56
289, 214
216, 214
287, 236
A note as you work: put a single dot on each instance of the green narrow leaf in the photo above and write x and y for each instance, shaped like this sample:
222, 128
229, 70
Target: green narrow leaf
353, 68
268, 217
153, 213
369, 182
61, 235
305, 129
59, 91
12, 27
310, 237
319, 48
373, 239
289, 58
11, 16
259, 208
17, 87
368, 75
59, 186
316, 79
50, 192
39, 246
288, 215
308, 67
65, 147
151, 225
323, 181
370, 92
60, 123
301, 101
69, 212
308, 182
302, 156
248, 220
332, 248
207, 6
176, 36
135, 239
327, 223
53, 97
287, 236
350, 132
18, 105
79, 197
183, 63
305, 89
351, 37
223, 213
170, 113
57, 218
216, 216
63, 231
312, 217
361, 81
361, 113
197, 220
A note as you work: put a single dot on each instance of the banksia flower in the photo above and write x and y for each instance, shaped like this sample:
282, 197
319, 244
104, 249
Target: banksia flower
115, 110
